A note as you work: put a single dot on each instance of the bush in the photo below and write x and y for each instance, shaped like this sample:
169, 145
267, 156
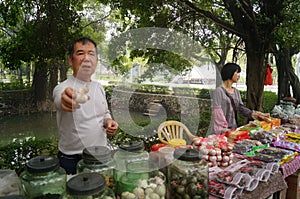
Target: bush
270, 100
15, 154
14, 85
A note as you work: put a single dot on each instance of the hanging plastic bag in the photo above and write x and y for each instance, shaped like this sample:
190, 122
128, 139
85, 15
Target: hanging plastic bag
269, 77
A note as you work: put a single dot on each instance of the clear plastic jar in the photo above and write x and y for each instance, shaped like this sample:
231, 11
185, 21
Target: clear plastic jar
188, 175
127, 153
88, 186
43, 178
98, 159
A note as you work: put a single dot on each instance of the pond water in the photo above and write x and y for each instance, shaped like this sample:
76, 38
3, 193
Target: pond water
39, 125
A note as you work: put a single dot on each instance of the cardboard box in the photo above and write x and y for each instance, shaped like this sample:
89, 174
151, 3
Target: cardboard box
293, 182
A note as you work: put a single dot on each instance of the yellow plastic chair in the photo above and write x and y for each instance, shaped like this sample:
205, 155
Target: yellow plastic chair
174, 133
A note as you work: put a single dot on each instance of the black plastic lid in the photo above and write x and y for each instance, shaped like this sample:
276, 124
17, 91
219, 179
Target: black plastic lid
96, 154
186, 154
42, 164
86, 184
133, 146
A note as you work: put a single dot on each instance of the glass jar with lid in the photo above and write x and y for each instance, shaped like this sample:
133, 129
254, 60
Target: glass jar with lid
188, 175
128, 152
141, 180
88, 186
43, 178
98, 159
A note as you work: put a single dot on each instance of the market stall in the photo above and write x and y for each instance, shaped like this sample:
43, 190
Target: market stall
255, 160
258, 160
257, 148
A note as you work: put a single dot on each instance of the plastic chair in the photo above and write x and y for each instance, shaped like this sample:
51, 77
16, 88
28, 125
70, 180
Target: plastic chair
169, 131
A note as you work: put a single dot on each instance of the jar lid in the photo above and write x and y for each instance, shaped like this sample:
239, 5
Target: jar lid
132, 146
187, 154
86, 184
99, 154
42, 164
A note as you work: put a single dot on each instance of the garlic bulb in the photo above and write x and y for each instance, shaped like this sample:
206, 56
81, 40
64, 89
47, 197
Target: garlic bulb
81, 95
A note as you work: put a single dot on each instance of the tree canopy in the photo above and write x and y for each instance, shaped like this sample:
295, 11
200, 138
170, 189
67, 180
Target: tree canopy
254, 22
38, 32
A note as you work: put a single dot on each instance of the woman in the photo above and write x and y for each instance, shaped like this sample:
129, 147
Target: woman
227, 101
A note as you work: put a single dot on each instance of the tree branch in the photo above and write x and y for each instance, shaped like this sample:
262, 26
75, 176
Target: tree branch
5, 30
247, 10
209, 15
96, 21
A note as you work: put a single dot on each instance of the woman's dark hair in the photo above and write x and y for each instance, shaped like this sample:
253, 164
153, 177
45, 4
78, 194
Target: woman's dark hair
83, 40
228, 70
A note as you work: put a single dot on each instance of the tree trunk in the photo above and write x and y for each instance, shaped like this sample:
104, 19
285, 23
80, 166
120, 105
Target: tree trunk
28, 72
63, 69
256, 70
286, 76
295, 83
283, 83
53, 75
39, 84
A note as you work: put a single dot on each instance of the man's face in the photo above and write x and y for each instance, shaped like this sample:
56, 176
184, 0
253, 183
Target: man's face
84, 60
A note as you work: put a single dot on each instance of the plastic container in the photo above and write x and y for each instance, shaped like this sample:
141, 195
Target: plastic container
43, 178
129, 152
188, 175
98, 159
88, 186
166, 156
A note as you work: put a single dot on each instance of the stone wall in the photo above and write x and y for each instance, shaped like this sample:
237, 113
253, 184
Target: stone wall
174, 105
15, 101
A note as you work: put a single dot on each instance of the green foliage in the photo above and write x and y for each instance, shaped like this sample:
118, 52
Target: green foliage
243, 95
204, 123
204, 94
15, 154
270, 100
15, 85
166, 58
287, 34
121, 137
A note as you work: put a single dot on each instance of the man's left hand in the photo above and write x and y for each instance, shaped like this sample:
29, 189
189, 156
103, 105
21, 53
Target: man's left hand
111, 127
